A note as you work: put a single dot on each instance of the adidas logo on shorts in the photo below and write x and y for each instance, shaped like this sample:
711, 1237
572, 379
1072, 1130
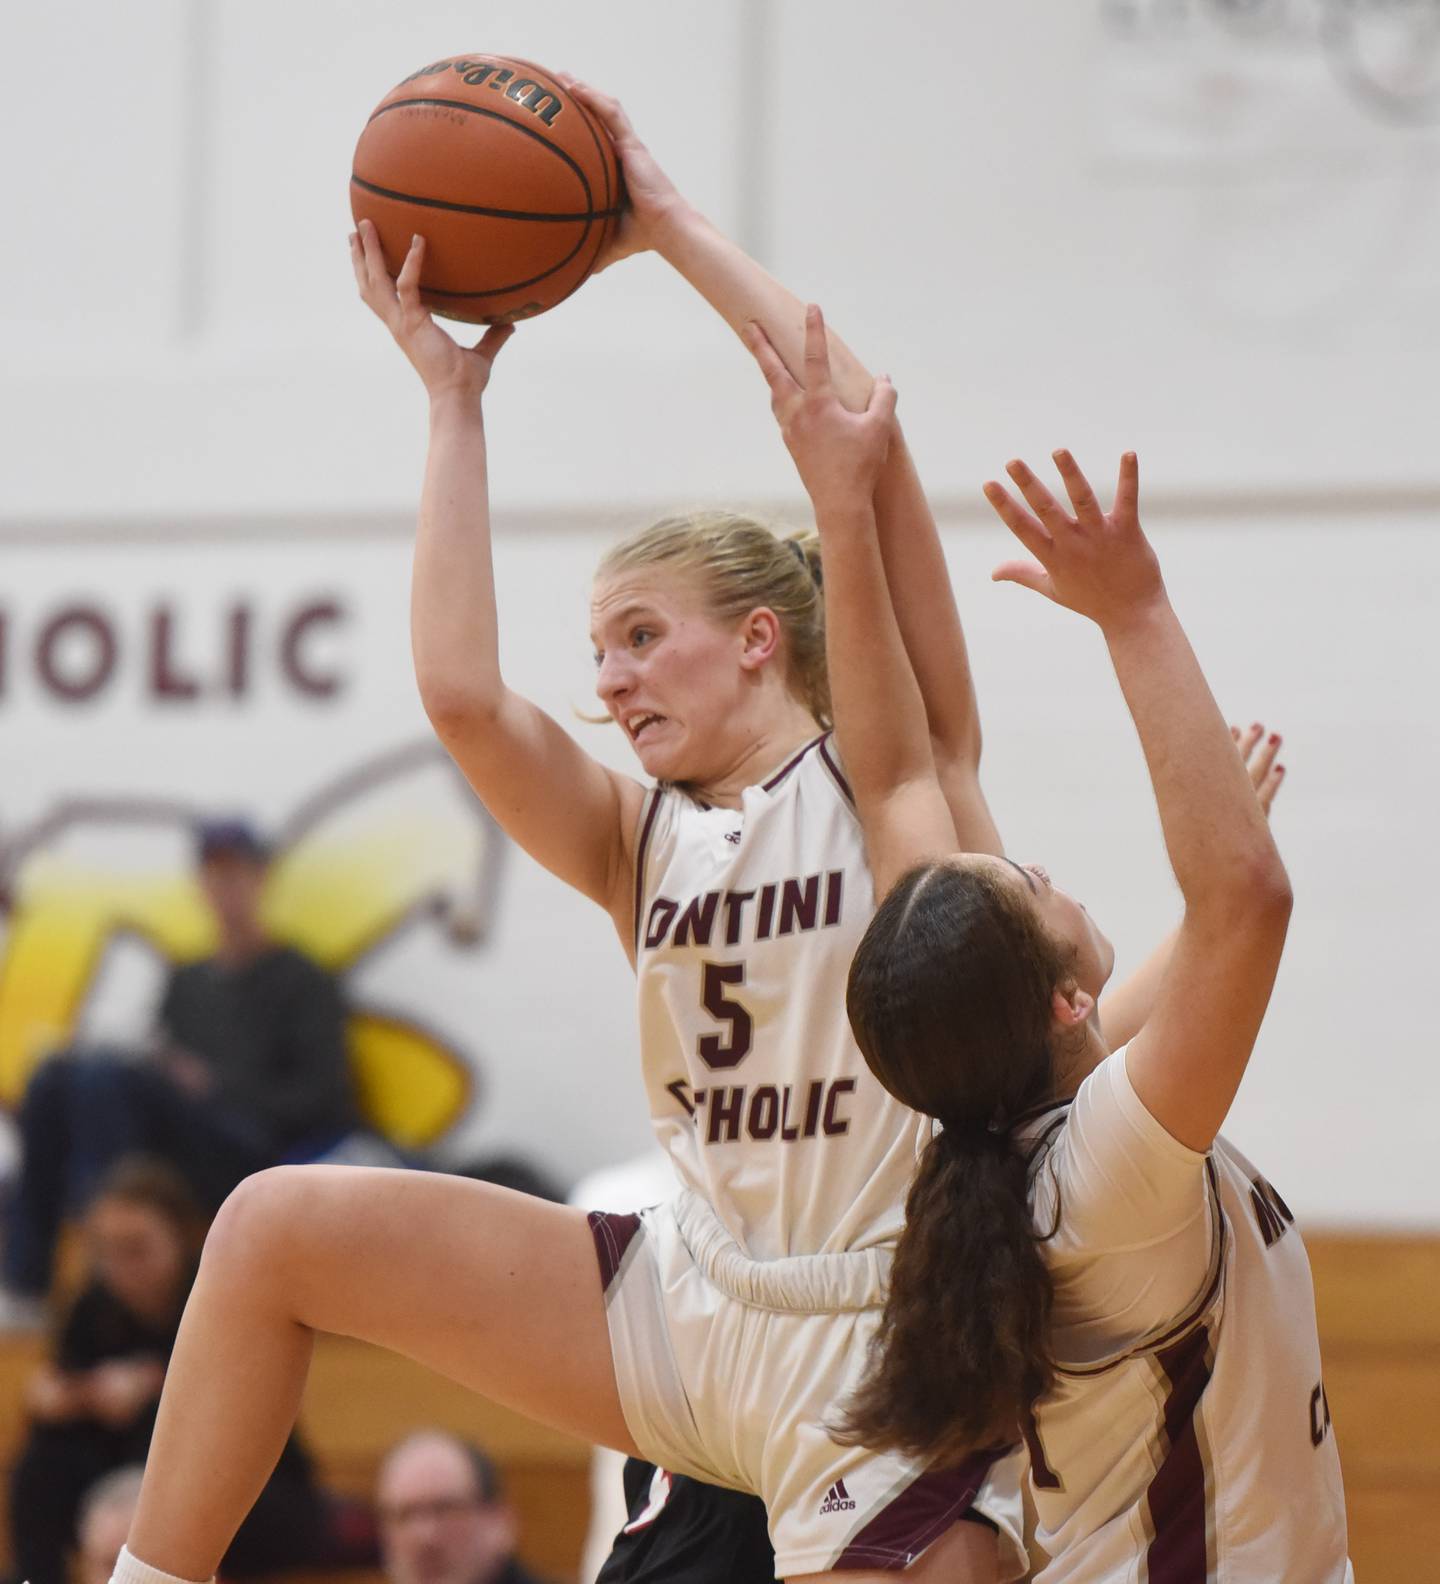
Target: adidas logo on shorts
837, 1499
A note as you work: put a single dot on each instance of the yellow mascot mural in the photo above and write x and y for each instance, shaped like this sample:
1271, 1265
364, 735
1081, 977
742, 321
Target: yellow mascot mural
397, 842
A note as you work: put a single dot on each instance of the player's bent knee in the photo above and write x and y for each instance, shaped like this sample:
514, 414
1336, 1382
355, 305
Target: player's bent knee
255, 1228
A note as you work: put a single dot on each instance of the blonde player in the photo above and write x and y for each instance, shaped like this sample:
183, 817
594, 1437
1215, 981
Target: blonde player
1145, 1300
711, 1336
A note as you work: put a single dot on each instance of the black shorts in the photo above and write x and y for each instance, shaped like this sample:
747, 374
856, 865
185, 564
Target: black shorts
682, 1530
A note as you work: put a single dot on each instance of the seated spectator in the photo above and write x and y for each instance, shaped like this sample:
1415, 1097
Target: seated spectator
93, 1406
105, 1515
443, 1516
249, 1068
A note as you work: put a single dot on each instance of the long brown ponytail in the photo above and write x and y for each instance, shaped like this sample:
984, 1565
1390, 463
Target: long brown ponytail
949, 997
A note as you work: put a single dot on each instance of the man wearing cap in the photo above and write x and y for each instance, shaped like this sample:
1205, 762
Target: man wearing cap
248, 1068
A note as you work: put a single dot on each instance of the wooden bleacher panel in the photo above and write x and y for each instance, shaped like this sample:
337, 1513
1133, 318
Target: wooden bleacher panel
360, 1401
19, 1355
1378, 1300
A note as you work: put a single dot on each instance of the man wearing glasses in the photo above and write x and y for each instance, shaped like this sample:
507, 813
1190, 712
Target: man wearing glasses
443, 1516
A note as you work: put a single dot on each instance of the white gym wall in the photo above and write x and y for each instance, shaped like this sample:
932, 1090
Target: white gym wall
1204, 231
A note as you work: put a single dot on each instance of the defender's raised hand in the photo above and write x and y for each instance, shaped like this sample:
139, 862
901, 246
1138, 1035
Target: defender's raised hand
1095, 562
437, 357
838, 453
1258, 754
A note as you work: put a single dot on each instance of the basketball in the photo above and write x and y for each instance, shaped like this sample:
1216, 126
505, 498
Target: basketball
509, 178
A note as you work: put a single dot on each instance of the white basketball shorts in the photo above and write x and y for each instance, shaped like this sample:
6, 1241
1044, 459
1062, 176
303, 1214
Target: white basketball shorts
730, 1369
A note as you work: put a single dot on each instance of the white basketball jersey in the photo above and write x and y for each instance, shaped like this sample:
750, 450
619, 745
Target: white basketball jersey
1203, 1454
746, 921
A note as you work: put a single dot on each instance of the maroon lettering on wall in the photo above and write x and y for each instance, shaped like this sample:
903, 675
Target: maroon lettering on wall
237, 666
98, 665
293, 663
167, 681
168, 652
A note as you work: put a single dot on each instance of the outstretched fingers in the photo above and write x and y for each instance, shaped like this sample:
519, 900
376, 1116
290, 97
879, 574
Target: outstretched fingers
1077, 487
1029, 530
377, 272
1262, 757
1270, 786
1258, 753
1046, 508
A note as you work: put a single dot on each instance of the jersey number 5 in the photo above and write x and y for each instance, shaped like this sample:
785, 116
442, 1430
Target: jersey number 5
719, 1051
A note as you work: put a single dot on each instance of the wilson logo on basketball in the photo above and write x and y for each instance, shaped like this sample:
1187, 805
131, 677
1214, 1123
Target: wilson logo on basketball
837, 1499
534, 96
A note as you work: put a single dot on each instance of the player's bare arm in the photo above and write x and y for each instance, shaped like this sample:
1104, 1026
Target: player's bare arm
923, 598
1187, 1062
659, 219
1124, 1009
879, 714
566, 810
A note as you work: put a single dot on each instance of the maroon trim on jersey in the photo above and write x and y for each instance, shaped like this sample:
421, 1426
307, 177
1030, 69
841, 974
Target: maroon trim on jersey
833, 767
1192, 1316
918, 1516
1178, 1499
780, 774
613, 1236
642, 851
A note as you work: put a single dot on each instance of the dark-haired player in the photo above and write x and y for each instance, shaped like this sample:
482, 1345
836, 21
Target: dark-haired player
1149, 1312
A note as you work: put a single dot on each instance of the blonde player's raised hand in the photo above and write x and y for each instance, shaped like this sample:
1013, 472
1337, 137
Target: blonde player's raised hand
1258, 751
437, 357
651, 198
1095, 562
838, 453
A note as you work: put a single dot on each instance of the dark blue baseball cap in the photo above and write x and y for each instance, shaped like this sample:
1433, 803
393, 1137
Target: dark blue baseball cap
232, 838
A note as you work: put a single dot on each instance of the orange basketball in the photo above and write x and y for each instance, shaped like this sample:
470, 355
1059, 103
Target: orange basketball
512, 182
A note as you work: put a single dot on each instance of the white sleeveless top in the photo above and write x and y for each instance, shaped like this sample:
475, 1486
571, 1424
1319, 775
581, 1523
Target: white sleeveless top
1187, 1438
746, 921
